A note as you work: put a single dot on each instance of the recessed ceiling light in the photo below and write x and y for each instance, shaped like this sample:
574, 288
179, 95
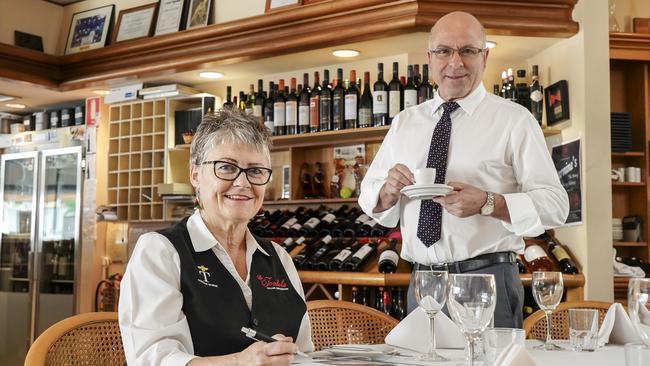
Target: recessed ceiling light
101, 91
16, 105
211, 75
6, 98
345, 53
490, 44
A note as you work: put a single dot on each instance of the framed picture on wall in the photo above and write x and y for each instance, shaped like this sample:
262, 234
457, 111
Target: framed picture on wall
274, 5
171, 14
90, 29
198, 14
557, 102
135, 23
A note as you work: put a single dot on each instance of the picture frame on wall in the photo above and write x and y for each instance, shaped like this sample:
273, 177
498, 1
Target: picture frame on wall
90, 29
198, 13
275, 5
171, 16
135, 23
556, 98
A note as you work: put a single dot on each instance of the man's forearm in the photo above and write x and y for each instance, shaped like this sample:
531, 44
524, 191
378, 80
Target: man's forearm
384, 200
501, 208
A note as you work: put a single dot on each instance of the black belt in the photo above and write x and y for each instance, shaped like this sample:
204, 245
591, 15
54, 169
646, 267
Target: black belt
471, 264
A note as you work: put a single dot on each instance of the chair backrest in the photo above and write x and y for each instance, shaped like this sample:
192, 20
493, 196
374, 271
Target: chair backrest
535, 324
84, 339
344, 322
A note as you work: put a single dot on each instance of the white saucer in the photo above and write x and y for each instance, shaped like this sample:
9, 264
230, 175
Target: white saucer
426, 191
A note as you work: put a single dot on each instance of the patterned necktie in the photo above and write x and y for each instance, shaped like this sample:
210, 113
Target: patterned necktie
431, 212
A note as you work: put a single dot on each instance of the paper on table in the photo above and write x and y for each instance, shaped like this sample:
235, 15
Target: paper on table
514, 355
413, 332
617, 327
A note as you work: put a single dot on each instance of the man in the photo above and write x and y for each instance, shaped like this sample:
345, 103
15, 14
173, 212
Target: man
491, 151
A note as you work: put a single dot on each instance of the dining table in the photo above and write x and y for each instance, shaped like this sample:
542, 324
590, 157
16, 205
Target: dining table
609, 355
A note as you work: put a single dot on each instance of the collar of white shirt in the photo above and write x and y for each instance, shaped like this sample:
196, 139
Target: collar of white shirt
202, 238
467, 104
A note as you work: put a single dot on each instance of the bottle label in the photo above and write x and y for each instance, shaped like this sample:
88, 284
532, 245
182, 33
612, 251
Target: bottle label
311, 223
325, 109
534, 252
248, 110
365, 117
560, 254
257, 111
289, 223
290, 110
303, 117
269, 125
314, 112
278, 114
296, 226
363, 252
329, 218
410, 98
379, 102
343, 255
394, 100
337, 109
78, 115
351, 106
536, 96
362, 218
389, 255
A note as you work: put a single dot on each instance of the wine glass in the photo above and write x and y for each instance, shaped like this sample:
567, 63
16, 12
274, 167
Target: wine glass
431, 294
547, 290
471, 302
638, 307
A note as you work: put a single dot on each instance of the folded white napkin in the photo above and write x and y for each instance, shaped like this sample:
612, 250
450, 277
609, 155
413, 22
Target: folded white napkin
514, 355
617, 327
413, 332
623, 270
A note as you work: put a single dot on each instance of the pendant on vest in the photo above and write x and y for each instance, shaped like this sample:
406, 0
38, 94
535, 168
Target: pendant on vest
270, 283
204, 276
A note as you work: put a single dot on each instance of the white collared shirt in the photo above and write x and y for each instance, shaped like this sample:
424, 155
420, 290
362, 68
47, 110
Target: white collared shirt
153, 326
497, 146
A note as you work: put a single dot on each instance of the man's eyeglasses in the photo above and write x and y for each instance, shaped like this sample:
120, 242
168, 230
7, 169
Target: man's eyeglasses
445, 53
227, 171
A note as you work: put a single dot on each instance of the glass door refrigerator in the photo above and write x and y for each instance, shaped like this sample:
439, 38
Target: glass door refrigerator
40, 216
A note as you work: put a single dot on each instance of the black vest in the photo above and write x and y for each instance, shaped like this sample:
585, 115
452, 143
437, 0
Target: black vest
214, 304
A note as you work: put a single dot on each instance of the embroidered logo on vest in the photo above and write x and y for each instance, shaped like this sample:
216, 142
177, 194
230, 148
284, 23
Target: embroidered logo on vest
203, 272
270, 284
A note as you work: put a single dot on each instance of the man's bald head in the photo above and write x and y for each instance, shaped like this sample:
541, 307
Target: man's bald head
458, 20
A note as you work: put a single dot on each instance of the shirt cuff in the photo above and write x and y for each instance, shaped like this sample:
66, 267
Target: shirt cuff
178, 358
524, 220
387, 218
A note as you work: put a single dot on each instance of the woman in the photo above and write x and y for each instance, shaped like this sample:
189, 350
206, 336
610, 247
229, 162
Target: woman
189, 289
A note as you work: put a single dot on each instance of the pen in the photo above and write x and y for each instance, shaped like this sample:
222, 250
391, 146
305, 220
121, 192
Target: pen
258, 336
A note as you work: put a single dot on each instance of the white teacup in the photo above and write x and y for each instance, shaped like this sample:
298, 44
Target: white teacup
425, 175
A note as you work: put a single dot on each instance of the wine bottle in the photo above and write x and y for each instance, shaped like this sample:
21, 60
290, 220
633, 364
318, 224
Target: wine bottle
308, 228
258, 101
337, 263
504, 84
536, 257
512, 90
323, 264
365, 104
379, 299
425, 90
279, 110
258, 219
295, 228
338, 103
356, 295
314, 104
303, 105
266, 223
416, 76
326, 103
387, 301
365, 296
380, 98
250, 100
394, 95
523, 93
268, 108
410, 91
344, 221
288, 244
351, 101
301, 259
388, 258
271, 229
360, 257
536, 96
567, 265
228, 103
283, 229
399, 310
242, 101
322, 251
291, 109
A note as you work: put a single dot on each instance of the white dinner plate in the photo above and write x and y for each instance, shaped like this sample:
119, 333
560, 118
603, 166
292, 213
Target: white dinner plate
426, 191
374, 351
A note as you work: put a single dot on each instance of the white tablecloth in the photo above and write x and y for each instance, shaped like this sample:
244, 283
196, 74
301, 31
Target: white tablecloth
607, 356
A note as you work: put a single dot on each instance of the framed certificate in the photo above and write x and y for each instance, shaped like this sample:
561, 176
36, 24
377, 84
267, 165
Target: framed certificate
135, 23
170, 16
273, 5
90, 29
198, 14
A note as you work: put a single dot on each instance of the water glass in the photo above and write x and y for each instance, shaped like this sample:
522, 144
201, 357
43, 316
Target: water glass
583, 329
431, 293
636, 354
498, 339
638, 307
547, 290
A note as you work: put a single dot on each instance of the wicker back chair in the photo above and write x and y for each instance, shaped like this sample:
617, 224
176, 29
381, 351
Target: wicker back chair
84, 339
535, 324
344, 322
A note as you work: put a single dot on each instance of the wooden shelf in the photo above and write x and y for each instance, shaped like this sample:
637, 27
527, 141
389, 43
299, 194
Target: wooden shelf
330, 138
323, 201
628, 154
628, 184
630, 244
551, 131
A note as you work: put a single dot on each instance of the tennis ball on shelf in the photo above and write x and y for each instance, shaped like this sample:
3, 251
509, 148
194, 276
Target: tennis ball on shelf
346, 192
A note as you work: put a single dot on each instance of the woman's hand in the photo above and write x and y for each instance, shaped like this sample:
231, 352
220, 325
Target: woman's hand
269, 354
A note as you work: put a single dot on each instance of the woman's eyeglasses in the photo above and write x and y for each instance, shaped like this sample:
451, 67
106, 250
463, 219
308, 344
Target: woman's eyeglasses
228, 171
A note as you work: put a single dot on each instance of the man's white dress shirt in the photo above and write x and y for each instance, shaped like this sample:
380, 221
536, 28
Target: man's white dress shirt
153, 326
497, 146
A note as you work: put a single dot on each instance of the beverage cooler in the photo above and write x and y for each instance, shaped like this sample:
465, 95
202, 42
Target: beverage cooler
40, 212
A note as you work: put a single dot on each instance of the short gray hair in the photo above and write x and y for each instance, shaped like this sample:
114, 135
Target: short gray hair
229, 125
